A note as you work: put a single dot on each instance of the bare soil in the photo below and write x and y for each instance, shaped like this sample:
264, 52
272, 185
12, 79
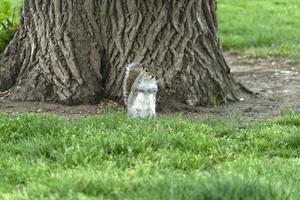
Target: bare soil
275, 82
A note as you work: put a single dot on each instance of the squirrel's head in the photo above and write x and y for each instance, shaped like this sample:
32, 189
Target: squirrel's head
149, 72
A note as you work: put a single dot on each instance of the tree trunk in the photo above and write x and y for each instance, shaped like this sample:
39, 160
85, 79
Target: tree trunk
76, 51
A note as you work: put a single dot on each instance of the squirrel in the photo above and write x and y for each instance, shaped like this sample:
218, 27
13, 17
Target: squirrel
139, 91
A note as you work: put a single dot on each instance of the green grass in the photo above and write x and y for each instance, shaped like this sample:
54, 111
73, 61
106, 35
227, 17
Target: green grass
111, 157
9, 21
261, 28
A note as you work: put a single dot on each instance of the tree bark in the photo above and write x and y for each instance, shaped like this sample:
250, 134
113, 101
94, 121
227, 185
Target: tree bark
76, 51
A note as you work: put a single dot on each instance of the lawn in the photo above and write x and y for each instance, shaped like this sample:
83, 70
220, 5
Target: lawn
111, 157
261, 28
9, 21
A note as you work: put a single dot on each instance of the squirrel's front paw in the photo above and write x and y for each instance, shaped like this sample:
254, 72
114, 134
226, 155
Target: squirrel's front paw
152, 90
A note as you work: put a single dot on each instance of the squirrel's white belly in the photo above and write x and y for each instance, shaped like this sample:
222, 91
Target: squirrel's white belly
143, 106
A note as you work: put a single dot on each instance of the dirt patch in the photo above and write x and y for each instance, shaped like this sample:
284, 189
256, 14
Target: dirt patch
275, 81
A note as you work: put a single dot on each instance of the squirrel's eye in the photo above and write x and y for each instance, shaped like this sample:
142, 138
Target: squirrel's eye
146, 70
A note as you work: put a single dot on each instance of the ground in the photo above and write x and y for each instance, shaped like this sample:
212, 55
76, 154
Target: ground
112, 157
275, 82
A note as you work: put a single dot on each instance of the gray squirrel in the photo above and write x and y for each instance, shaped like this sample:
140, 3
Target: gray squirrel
139, 91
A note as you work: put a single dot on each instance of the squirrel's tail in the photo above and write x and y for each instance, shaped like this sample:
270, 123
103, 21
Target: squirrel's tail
126, 89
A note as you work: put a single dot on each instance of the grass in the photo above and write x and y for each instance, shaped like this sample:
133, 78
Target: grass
261, 28
111, 157
9, 21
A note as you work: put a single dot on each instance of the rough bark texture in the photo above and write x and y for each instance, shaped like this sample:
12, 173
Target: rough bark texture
76, 51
